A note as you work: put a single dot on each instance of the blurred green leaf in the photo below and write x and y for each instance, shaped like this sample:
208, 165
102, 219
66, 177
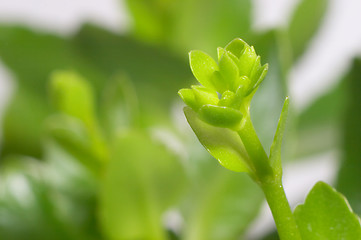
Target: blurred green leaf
155, 73
206, 25
22, 123
95, 54
30, 208
151, 19
318, 126
31, 57
119, 105
189, 24
221, 204
73, 136
74, 96
141, 181
349, 178
304, 23
327, 215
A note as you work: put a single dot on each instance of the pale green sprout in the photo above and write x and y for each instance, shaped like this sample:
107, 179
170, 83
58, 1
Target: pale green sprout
235, 79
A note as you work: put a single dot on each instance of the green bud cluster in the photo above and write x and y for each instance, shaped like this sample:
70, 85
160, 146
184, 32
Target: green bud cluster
227, 87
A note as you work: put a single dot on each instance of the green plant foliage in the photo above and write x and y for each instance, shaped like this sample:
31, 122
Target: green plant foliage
155, 73
235, 78
212, 209
304, 23
100, 172
189, 24
141, 181
350, 171
275, 153
327, 215
318, 126
79, 130
223, 144
31, 208
32, 56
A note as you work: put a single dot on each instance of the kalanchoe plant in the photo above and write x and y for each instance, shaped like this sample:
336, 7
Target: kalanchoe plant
235, 78
219, 113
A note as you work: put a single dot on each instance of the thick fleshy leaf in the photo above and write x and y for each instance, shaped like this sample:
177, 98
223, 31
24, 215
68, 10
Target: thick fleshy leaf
236, 47
304, 23
220, 116
327, 215
246, 61
259, 77
141, 181
203, 67
227, 99
275, 153
204, 95
188, 98
223, 144
229, 71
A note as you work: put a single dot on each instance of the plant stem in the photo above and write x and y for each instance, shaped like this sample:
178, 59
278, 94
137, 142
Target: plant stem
270, 183
255, 150
281, 211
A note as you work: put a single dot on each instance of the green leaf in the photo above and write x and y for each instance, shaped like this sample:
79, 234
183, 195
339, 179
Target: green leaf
319, 124
246, 61
203, 67
305, 23
156, 74
229, 71
350, 171
204, 95
119, 105
73, 137
236, 47
206, 25
275, 153
74, 96
19, 136
150, 19
223, 144
327, 215
220, 116
32, 208
31, 56
141, 181
221, 203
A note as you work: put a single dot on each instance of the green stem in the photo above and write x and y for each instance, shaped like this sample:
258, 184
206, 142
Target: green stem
270, 183
255, 150
281, 211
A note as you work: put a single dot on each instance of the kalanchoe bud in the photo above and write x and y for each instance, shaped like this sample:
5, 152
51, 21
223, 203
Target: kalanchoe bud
236, 77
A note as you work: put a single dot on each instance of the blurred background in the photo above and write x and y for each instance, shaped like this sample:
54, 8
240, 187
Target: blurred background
94, 144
